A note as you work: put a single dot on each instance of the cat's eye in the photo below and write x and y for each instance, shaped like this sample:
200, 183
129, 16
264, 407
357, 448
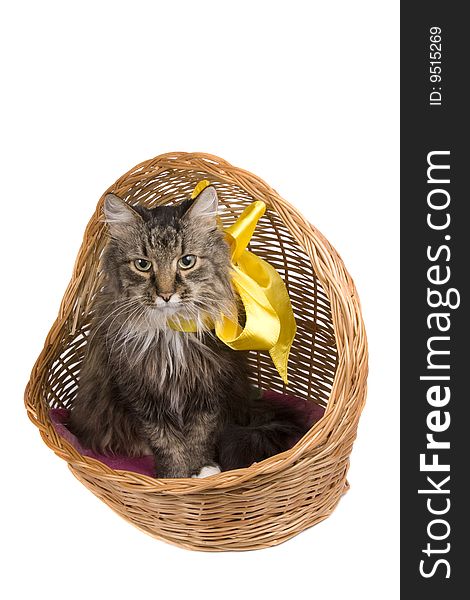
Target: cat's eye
142, 264
187, 262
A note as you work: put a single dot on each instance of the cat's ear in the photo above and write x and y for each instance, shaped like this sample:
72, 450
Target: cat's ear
205, 205
118, 214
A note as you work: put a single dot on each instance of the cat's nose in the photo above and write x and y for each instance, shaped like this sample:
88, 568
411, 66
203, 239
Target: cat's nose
166, 296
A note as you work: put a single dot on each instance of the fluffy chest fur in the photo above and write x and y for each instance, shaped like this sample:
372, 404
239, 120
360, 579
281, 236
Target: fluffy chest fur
169, 371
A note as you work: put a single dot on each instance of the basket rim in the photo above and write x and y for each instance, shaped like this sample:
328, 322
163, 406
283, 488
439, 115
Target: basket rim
349, 384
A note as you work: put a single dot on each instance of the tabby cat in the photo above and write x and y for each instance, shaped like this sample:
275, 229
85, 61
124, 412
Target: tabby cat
147, 386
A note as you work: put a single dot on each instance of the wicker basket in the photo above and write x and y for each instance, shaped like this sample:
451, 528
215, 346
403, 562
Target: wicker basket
270, 501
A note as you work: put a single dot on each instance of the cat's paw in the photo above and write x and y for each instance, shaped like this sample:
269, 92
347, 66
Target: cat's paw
207, 471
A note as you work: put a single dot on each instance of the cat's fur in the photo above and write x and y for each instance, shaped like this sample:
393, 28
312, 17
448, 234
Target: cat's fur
147, 386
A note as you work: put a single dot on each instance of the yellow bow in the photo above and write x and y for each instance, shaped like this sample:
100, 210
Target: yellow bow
270, 323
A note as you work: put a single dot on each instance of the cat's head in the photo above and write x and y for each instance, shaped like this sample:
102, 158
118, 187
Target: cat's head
169, 261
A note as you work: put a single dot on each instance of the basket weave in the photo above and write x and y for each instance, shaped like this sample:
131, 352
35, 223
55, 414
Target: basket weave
268, 502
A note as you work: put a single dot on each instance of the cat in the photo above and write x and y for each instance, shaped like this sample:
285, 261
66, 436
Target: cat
148, 386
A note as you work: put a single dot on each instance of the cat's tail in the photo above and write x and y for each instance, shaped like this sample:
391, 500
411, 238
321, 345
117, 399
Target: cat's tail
267, 427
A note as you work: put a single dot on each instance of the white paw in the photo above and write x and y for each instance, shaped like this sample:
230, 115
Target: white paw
207, 471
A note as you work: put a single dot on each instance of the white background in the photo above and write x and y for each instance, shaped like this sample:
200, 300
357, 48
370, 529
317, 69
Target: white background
305, 95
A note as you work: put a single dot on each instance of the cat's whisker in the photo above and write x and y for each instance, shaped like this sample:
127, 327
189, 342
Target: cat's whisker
122, 304
128, 339
118, 334
118, 311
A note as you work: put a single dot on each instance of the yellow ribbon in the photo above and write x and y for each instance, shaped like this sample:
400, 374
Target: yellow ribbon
270, 323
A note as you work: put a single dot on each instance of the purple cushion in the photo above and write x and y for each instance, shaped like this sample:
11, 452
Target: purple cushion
145, 465
142, 464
